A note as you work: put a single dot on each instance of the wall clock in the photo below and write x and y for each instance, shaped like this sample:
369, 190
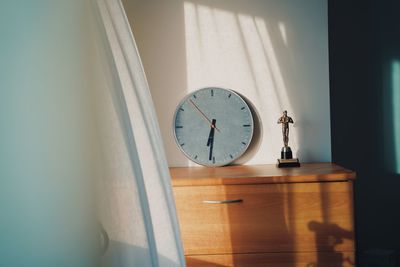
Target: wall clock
213, 126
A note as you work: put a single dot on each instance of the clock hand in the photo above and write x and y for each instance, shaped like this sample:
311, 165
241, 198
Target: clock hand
210, 142
211, 135
211, 149
203, 115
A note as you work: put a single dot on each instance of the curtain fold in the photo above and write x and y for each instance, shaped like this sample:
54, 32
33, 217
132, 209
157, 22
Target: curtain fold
137, 204
79, 141
46, 209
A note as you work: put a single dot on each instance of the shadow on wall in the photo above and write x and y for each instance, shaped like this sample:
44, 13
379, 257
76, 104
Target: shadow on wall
364, 71
274, 53
159, 33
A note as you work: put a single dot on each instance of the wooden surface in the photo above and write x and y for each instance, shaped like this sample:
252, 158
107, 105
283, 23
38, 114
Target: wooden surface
287, 218
259, 174
301, 259
271, 218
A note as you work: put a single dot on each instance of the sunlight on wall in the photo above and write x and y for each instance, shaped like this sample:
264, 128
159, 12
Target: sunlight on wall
273, 52
282, 29
235, 51
396, 114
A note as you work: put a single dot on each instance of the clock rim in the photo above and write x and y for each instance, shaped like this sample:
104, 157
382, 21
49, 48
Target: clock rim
235, 158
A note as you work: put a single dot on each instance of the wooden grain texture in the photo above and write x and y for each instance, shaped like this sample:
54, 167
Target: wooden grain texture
302, 259
294, 217
259, 174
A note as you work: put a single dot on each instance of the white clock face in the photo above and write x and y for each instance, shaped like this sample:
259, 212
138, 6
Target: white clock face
213, 126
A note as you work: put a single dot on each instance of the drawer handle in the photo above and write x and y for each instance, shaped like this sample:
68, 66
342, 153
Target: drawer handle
228, 201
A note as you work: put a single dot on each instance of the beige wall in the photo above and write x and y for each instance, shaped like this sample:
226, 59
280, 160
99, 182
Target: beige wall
274, 52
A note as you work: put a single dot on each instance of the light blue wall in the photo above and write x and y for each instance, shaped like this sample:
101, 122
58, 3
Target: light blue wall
44, 198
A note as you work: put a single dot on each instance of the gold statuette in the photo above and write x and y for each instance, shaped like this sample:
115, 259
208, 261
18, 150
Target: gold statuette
286, 159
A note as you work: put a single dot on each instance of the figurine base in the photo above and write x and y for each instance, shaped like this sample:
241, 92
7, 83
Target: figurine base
286, 153
288, 163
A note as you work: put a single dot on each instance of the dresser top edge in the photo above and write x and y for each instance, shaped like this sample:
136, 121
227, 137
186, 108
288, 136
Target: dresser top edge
259, 174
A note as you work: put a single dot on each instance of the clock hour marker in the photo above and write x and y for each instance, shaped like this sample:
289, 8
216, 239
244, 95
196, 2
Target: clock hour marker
212, 92
230, 155
229, 96
178, 127
181, 109
182, 144
214, 160
246, 125
244, 143
242, 108
194, 96
195, 157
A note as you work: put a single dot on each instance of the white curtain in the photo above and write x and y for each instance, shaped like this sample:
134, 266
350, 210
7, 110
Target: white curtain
137, 203
46, 214
75, 111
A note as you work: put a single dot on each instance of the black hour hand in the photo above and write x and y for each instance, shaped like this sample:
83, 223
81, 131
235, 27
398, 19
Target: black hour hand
210, 141
211, 135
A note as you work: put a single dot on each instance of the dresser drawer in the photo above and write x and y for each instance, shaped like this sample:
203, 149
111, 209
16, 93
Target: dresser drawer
300, 259
295, 217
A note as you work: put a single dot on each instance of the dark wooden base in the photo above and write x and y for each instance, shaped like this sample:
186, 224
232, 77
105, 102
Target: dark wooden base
288, 163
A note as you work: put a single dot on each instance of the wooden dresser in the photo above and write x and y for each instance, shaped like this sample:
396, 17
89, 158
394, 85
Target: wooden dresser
253, 216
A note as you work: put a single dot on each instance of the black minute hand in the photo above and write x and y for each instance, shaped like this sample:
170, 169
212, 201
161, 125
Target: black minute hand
210, 141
